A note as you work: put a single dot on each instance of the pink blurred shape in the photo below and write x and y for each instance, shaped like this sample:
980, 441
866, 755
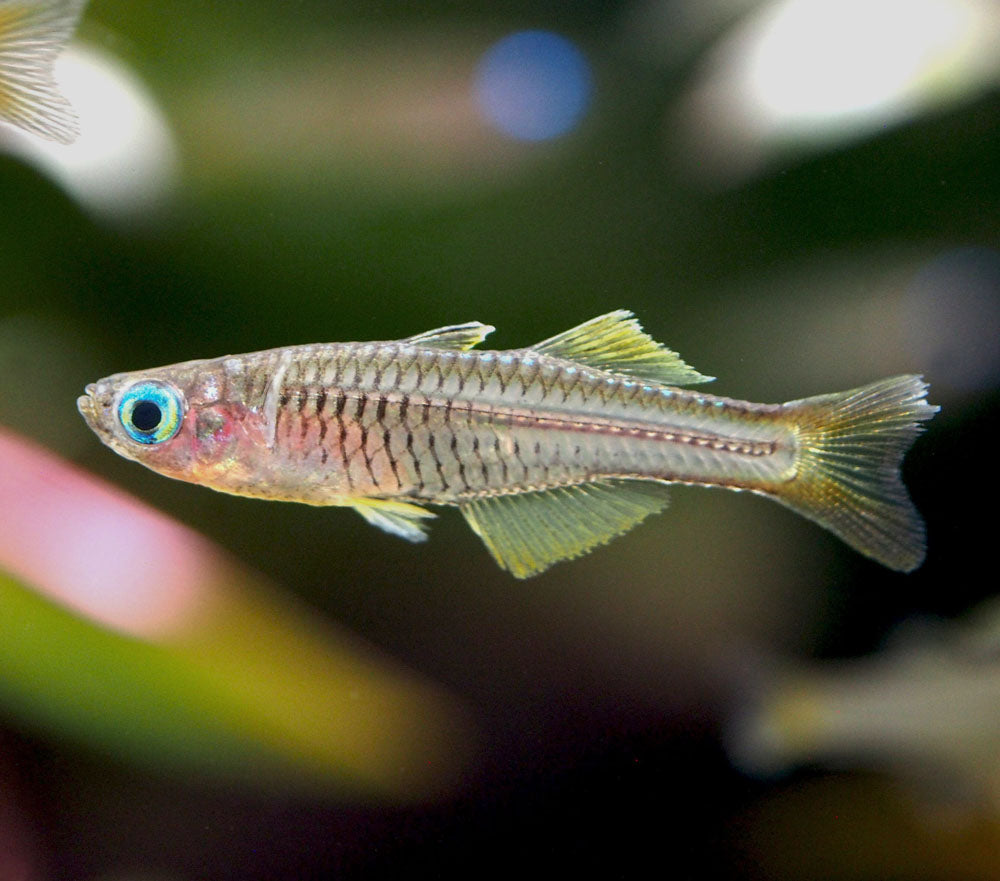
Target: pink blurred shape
225, 677
95, 549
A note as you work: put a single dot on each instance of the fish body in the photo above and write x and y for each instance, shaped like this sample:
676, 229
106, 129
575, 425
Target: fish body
548, 450
32, 34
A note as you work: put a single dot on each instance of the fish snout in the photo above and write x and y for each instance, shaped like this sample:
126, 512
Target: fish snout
92, 406
85, 404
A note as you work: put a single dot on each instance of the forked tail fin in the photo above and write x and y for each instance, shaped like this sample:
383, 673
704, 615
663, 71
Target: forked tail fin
32, 34
851, 445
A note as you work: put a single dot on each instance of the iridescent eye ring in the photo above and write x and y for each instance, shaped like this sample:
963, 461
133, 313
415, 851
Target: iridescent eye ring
150, 412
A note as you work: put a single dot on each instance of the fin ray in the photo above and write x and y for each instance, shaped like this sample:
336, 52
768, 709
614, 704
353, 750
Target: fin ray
528, 532
616, 342
398, 518
32, 34
848, 468
454, 336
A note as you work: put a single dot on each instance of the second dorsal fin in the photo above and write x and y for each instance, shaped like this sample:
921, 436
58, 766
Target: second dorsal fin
454, 336
616, 342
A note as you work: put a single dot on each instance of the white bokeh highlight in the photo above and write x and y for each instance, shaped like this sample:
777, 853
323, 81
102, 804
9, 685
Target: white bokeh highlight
808, 74
124, 165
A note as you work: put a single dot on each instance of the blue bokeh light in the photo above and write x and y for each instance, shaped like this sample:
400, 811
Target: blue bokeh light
533, 85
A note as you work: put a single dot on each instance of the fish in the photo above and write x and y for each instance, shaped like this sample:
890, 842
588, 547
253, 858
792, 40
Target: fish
32, 35
548, 451
925, 708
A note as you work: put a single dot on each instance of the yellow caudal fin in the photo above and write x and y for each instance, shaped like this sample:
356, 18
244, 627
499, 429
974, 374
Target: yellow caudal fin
851, 446
32, 34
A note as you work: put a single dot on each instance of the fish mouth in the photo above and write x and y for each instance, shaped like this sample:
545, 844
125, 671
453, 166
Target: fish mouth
90, 409
85, 403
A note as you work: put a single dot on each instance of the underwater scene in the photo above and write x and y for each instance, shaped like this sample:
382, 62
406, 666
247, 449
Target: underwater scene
370, 377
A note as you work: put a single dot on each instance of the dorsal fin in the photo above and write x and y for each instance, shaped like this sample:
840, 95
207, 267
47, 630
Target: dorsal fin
528, 532
616, 342
455, 336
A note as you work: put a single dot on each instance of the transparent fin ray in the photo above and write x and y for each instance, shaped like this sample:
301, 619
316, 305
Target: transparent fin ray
616, 342
32, 34
527, 533
398, 518
455, 336
851, 447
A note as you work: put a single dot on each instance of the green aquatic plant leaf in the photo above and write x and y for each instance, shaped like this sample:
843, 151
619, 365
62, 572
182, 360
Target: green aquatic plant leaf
198, 665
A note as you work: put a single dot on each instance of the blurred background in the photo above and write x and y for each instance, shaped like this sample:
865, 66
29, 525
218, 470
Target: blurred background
799, 196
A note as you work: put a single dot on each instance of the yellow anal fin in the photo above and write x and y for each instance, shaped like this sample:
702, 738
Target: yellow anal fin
32, 34
616, 342
399, 518
528, 532
455, 336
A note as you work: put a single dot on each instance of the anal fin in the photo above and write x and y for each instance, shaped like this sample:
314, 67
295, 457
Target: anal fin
528, 532
399, 518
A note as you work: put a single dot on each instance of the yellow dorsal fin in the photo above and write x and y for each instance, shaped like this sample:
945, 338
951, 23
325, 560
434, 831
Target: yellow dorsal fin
455, 336
617, 343
400, 518
528, 532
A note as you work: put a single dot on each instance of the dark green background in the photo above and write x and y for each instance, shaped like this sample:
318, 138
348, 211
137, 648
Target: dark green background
602, 738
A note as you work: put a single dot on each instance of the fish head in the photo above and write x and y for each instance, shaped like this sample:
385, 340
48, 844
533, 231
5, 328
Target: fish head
173, 420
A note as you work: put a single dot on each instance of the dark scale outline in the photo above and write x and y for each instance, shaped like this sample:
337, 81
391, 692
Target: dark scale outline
482, 461
527, 373
453, 444
432, 447
416, 462
342, 432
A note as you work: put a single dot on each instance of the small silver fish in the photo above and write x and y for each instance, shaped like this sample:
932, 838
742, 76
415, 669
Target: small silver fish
32, 34
548, 451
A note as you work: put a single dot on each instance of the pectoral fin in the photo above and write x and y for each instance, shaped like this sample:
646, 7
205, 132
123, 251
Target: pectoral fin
528, 532
400, 518
616, 342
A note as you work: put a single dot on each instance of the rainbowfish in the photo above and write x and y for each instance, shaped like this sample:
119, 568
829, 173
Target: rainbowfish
32, 34
548, 451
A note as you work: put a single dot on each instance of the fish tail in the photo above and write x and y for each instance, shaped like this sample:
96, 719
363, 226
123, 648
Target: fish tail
847, 467
32, 34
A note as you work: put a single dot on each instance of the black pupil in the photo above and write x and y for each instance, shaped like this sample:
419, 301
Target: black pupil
146, 416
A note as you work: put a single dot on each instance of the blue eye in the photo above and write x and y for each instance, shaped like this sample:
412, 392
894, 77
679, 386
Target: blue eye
150, 412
